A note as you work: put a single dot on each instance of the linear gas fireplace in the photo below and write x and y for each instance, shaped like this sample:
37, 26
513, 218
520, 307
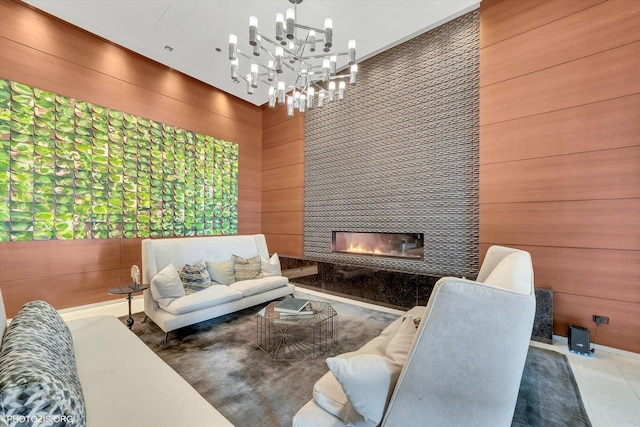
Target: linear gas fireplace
399, 245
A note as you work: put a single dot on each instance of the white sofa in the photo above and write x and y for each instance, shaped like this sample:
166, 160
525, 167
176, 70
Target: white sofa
461, 366
216, 300
123, 382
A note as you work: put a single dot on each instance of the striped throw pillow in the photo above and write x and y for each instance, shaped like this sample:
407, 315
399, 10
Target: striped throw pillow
246, 268
195, 277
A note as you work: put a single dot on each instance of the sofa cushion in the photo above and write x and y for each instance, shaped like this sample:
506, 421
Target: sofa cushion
270, 267
256, 286
368, 381
246, 268
195, 277
209, 297
222, 273
513, 272
328, 394
166, 286
398, 348
38, 373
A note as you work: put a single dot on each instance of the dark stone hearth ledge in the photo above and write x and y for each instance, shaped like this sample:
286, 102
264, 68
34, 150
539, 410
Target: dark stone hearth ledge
397, 290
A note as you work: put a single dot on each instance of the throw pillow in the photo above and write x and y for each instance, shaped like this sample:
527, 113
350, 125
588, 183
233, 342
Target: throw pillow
38, 373
222, 273
246, 268
398, 348
166, 286
270, 267
368, 381
195, 277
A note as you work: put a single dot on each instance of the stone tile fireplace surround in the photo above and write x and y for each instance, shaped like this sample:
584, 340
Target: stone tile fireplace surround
400, 155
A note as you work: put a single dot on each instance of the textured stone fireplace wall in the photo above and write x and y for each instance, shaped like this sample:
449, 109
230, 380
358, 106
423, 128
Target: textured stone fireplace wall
400, 154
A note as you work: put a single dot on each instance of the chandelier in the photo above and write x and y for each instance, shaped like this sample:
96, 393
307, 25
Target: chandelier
315, 80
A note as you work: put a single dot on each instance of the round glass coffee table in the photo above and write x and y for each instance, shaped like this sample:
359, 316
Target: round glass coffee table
290, 337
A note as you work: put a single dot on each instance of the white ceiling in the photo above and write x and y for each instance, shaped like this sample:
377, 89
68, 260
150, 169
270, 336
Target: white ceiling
195, 28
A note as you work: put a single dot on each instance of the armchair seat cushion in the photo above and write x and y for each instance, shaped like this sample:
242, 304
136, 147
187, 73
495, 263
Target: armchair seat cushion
329, 395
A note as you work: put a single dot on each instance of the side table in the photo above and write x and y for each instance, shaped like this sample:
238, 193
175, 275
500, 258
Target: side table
128, 290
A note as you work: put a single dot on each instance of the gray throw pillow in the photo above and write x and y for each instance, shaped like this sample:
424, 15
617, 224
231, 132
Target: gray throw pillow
246, 268
38, 374
195, 277
222, 273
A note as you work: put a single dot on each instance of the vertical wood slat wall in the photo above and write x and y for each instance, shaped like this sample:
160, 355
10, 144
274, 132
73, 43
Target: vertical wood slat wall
47, 53
560, 153
283, 181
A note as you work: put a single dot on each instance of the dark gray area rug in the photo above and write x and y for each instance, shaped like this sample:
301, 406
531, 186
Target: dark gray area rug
549, 394
221, 360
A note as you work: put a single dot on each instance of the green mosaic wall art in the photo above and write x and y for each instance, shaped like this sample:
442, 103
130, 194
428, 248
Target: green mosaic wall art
70, 169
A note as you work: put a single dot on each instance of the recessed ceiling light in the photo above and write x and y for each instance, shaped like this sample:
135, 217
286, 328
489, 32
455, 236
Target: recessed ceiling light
168, 48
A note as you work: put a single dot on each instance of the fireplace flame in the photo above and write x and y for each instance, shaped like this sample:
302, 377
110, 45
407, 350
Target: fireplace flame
363, 250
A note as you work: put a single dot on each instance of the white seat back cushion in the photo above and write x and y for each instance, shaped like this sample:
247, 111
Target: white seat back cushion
513, 272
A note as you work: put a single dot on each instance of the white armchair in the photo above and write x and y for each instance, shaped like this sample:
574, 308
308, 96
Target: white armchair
467, 357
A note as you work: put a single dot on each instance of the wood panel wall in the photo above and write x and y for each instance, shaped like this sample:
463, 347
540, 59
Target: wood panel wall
283, 181
560, 153
45, 52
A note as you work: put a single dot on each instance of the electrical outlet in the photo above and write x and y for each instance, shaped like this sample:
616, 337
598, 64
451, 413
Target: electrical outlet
600, 319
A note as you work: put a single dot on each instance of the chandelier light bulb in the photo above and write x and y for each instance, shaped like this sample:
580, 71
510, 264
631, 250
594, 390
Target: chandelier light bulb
279, 26
249, 85
341, 88
272, 97
290, 107
234, 70
332, 91
310, 95
290, 23
280, 92
321, 96
279, 55
328, 34
270, 74
332, 62
326, 69
353, 74
254, 75
253, 30
302, 104
233, 47
311, 41
296, 99
351, 50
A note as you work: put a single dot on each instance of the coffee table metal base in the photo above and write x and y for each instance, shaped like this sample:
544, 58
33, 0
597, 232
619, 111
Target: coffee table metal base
297, 337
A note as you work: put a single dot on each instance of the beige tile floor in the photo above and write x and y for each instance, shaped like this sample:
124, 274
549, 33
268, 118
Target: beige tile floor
609, 380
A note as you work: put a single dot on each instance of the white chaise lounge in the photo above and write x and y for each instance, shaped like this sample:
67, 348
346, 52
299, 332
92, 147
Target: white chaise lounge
121, 381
